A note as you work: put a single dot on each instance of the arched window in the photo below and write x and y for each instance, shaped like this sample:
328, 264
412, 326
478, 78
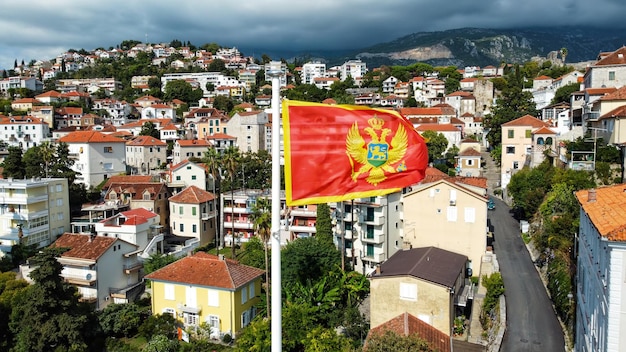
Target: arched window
540, 141
549, 141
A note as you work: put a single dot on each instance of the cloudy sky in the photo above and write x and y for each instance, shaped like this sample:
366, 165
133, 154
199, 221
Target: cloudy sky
42, 29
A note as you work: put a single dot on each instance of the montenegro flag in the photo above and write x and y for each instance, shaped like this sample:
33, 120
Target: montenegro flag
342, 152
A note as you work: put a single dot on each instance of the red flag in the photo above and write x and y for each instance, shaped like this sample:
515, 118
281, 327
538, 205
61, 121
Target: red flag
341, 152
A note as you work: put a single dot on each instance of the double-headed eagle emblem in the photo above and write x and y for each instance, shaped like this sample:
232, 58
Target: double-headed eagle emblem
377, 157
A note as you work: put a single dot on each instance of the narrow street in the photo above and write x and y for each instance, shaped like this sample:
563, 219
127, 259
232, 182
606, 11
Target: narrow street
531, 324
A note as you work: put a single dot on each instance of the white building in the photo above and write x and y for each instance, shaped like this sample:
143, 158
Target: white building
193, 214
311, 71
97, 155
353, 68
145, 153
41, 207
140, 227
23, 131
600, 270
249, 129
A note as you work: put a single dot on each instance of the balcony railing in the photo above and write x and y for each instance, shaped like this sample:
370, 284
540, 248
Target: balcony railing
373, 238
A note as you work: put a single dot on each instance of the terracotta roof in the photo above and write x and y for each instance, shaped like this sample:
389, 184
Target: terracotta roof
527, 120
145, 140
543, 78
90, 137
442, 127
427, 263
617, 112
137, 216
432, 171
50, 93
25, 101
83, 246
6, 120
407, 324
192, 195
136, 190
544, 130
480, 182
600, 91
193, 143
421, 111
618, 57
619, 94
205, 269
220, 135
469, 152
607, 211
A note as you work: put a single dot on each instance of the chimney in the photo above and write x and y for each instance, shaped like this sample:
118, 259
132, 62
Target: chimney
220, 257
591, 195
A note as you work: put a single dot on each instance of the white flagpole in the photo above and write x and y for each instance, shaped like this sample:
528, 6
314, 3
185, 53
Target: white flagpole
276, 299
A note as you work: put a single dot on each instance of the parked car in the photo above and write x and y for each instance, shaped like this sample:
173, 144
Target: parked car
491, 205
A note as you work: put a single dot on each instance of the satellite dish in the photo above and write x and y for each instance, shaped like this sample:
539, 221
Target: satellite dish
88, 277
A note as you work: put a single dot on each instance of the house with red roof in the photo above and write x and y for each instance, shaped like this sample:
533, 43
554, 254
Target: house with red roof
193, 214
23, 131
609, 71
517, 145
148, 195
468, 163
406, 324
117, 110
187, 173
139, 226
207, 288
24, 104
158, 111
49, 97
145, 154
189, 148
104, 270
97, 155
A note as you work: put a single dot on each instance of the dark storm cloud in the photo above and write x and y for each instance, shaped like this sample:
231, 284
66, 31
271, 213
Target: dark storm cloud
42, 29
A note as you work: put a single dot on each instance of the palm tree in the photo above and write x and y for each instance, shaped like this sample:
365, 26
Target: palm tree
261, 215
212, 160
563, 53
230, 160
48, 152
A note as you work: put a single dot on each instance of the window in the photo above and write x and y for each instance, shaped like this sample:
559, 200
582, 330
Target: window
146, 196
452, 214
408, 291
193, 210
193, 228
59, 188
182, 227
60, 216
245, 318
611, 75
369, 250
108, 149
369, 234
511, 133
169, 292
193, 177
540, 141
470, 215
549, 141
510, 150
244, 295
180, 209
178, 178
515, 165
191, 319
214, 298
59, 202
251, 292
170, 311
214, 322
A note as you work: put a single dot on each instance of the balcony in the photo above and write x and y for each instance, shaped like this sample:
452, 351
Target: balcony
237, 210
132, 266
296, 228
209, 215
304, 213
87, 277
591, 116
374, 258
373, 238
239, 225
375, 220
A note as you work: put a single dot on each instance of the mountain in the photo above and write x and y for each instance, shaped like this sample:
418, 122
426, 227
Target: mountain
481, 47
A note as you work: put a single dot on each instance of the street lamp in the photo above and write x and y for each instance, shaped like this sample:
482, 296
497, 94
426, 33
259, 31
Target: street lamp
275, 71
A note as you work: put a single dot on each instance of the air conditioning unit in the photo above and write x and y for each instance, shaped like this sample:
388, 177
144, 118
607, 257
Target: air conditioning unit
453, 203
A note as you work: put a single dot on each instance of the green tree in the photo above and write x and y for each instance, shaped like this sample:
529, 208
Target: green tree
213, 161
322, 339
150, 129
33, 163
180, 89
564, 93
307, 259
436, 143
256, 337
323, 225
223, 103
12, 165
122, 320
157, 261
158, 324
10, 287
161, 343
217, 65
390, 341
48, 315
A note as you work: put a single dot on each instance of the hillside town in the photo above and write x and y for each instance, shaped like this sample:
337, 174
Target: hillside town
156, 188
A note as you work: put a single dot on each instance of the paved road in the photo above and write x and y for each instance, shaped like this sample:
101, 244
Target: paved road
531, 321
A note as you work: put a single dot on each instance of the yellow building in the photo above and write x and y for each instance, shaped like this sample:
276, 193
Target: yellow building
427, 283
207, 288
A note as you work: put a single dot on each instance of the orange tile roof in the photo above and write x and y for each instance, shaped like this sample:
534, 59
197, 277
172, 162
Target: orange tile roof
617, 112
469, 152
406, 324
137, 190
544, 130
420, 111
26, 101
192, 195
50, 93
220, 135
205, 269
443, 127
137, 216
90, 137
618, 57
527, 120
600, 91
83, 246
146, 141
619, 94
126, 179
480, 182
543, 78
607, 211
193, 143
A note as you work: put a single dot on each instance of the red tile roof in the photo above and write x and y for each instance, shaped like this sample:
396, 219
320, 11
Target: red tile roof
137, 190
137, 216
469, 152
527, 120
83, 246
406, 324
617, 112
442, 127
205, 269
192, 195
619, 94
90, 137
607, 211
618, 57
146, 141
544, 130
193, 143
